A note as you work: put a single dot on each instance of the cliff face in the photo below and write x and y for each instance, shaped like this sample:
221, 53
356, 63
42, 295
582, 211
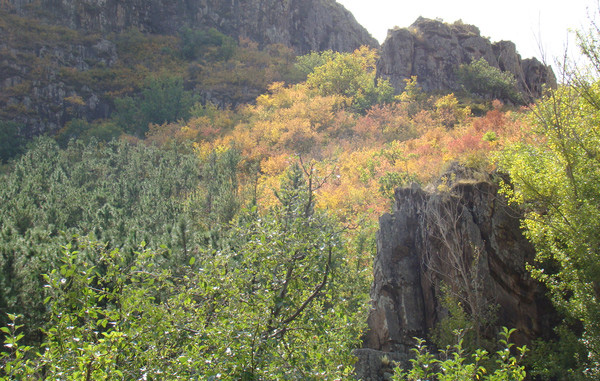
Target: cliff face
33, 92
433, 51
60, 58
467, 239
306, 25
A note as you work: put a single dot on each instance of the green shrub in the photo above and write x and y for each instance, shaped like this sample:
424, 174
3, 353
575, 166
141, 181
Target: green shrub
274, 300
392, 180
564, 358
207, 44
454, 365
351, 75
81, 129
120, 193
163, 100
481, 79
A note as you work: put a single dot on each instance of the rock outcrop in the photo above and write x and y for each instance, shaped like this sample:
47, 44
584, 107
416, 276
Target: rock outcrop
433, 51
43, 80
37, 98
306, 25
466, 238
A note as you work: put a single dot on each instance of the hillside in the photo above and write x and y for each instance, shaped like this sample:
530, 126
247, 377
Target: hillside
305, 25
92, 53
205, 197
283, 193
62, 61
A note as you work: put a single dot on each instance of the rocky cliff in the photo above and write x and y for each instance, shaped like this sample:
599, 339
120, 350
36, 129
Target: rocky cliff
306, 25
433, 51
465, 240
35, 62
62, 60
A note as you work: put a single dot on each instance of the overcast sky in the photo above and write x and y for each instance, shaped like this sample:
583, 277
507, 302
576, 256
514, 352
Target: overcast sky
525, 22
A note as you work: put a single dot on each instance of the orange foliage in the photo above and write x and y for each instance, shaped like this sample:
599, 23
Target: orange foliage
358, 150
289, 120
387, 123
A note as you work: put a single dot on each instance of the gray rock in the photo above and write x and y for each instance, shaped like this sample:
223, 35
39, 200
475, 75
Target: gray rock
373, 365
43, 108
306, 25
508, 59
433, 51
397, 64
424, 243
537, 77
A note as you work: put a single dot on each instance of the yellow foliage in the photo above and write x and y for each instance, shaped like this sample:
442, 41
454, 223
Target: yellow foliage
75, 100
448, 111
275, 165
415, 137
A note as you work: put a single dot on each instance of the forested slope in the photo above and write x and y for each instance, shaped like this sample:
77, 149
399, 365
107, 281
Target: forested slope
184, 236
252, 227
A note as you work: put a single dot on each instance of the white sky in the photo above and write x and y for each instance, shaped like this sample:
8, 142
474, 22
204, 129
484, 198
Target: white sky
525, 22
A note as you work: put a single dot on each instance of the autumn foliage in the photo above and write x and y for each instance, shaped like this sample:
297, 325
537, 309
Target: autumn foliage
365, 154
331, 111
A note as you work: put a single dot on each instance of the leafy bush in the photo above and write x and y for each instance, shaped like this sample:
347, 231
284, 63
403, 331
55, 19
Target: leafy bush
351, 75
392, 180
104, 131
120, 193
481, 79
162, 100
556, 179
453, 364
562, 359
274, 301
307, 63
208, 44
